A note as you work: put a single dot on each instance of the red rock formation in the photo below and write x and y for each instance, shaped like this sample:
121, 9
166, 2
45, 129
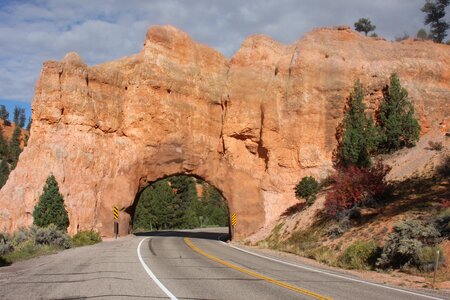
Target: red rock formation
252, 126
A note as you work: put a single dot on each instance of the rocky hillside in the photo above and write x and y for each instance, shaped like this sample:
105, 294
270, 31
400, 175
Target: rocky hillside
8, 132
420, 191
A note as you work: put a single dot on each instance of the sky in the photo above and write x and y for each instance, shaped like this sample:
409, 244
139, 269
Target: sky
34, 31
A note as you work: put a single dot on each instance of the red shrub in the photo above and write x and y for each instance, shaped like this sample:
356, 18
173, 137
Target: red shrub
446, 203
356, 187
294, 209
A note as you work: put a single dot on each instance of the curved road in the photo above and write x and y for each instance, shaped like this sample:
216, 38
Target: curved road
181, 265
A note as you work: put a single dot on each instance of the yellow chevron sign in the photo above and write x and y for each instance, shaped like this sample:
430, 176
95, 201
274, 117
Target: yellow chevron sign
116, 213
233, 220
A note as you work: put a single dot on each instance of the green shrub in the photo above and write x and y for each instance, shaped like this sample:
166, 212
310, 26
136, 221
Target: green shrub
31, 242
403, 248
359, 255
27, 248
302, 241
307, 188
51, 235
427, 257
322, 254
442, 222
84, 238
5, 244
50, 208
342, 226
22, 235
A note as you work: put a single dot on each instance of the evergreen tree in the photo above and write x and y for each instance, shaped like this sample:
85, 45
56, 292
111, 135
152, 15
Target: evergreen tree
4, 172
307, 188
29, 124
157, 207
358, 133
50, 208
19, 116
435, 12
145, 216
422, 34
213, 209
14, 149
4, 114
173, 203
364, 25
397, 124
22, 118
186, 194
3, 145
16, 113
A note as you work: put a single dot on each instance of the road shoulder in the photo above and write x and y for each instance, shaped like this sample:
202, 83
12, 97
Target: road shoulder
399, 279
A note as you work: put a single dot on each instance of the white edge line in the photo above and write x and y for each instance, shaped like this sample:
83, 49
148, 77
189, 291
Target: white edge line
150, 273
331, 274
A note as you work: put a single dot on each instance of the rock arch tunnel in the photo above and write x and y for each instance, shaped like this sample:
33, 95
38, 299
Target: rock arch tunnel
251, 125
180, 201
250, 213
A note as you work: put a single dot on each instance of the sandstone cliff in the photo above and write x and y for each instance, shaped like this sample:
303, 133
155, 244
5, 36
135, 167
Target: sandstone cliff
251, 126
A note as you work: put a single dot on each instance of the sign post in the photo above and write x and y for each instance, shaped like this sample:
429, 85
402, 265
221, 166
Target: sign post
233, 220
233, 223
435, 268
116, 222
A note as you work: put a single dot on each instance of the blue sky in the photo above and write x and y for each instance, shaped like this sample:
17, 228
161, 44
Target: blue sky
11, 104
101, 30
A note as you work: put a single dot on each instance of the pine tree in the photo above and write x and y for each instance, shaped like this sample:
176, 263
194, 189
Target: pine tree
22, 118
4, 172
173, 203
358, 134
3, 145
307, 188
397, 124
145, 216
157, 207
4, 114
435, 13
185, 194
214, 208
50, 208
16, 113
29, 124
19, 116
14, 149
364, 25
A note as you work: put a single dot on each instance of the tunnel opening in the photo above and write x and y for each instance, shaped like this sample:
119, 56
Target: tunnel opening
179, 202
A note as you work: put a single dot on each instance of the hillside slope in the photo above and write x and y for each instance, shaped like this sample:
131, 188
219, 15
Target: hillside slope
421, 191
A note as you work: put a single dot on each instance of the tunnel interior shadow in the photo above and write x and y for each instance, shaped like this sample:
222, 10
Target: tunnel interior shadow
217, 236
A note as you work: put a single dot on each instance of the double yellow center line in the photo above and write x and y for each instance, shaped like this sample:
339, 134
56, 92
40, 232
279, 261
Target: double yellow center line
254, 274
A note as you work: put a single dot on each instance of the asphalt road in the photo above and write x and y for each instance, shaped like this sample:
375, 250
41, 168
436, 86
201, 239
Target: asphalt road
181, 265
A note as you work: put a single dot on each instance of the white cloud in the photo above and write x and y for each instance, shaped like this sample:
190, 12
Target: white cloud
100, 30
